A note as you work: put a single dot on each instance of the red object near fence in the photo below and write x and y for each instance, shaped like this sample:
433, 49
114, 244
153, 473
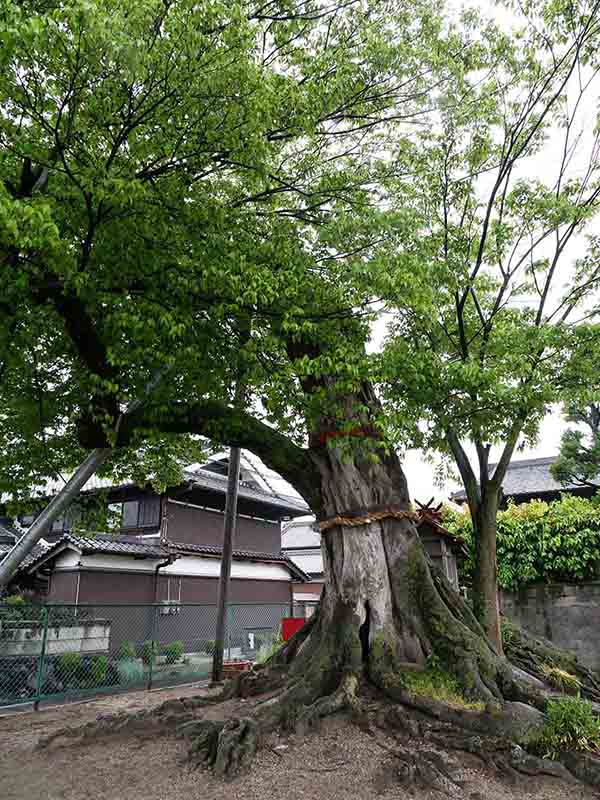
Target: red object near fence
289, 626
232, 668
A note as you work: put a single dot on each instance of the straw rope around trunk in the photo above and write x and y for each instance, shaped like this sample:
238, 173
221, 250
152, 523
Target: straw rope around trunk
347, 521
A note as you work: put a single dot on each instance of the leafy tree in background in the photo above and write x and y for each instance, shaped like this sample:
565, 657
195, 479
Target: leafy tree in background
507, 186
579, 458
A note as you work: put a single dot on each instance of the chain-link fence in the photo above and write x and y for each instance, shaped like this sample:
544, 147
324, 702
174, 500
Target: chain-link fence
70, 651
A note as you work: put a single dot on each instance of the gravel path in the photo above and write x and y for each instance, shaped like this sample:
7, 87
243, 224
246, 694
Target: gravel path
339, 762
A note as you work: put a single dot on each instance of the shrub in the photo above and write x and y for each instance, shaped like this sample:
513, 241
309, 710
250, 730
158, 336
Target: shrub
173, 652
539, 542
561, 679
127, 651
130, 671
570, 725
14, 608
510, 634
268, 648
148, 652
92, 672
70, 667
14, 600
98, 667
206, 646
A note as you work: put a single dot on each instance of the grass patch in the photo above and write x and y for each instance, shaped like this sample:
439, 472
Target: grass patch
560, 679
439, 685
570, 725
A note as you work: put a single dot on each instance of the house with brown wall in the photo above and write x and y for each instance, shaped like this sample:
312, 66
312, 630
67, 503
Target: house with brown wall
167, 546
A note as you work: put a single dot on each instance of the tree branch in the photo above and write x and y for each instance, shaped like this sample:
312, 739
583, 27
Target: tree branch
469, 480
507, 453
223, 423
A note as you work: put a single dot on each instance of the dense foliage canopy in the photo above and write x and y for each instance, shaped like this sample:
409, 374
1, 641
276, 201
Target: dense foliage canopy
217, 189
192, 185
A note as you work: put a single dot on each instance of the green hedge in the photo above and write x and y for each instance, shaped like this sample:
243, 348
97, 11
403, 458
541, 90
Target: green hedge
540, 542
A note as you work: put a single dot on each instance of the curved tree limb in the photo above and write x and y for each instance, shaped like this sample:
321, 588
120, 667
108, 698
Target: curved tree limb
218, 420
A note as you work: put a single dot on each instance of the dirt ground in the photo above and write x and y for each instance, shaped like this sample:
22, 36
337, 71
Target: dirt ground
339, 761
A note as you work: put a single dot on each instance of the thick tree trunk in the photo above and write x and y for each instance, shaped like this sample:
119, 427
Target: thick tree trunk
384, 610
485, 576
383, 607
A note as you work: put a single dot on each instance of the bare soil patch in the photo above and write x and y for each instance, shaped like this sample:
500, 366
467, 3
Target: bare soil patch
337, 761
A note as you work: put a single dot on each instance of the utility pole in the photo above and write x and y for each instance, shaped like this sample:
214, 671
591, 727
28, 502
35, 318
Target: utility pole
233, 482
233, 485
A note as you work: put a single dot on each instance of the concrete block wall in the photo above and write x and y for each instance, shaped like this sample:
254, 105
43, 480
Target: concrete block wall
567, 614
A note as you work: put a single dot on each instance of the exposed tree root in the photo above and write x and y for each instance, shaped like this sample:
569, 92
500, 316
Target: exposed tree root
425, 739
425, 733
532, 654
273, 674
168, 717
324, 668
228, 747
421, 769
348, 650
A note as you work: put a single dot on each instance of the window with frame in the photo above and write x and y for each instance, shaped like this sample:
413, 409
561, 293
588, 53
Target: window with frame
143, 513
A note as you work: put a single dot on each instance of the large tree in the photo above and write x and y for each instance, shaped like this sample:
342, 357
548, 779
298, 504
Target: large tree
507, 183
203, 186
579, 458
169, 170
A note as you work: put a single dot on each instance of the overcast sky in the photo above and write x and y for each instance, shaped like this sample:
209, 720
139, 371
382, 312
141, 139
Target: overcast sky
420, 474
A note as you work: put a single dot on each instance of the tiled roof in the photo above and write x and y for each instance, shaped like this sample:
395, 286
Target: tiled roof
309, 562
302, 543
526, 477
122, 545
130, 546
38, 550
201, 478
7, 532
205, 479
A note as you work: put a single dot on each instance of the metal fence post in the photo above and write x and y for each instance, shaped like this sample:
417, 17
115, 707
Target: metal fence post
39, 684
152, 654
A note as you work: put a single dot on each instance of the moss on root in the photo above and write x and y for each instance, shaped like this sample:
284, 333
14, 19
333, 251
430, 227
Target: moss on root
455, 636
321, 672
549, 663
438, 684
